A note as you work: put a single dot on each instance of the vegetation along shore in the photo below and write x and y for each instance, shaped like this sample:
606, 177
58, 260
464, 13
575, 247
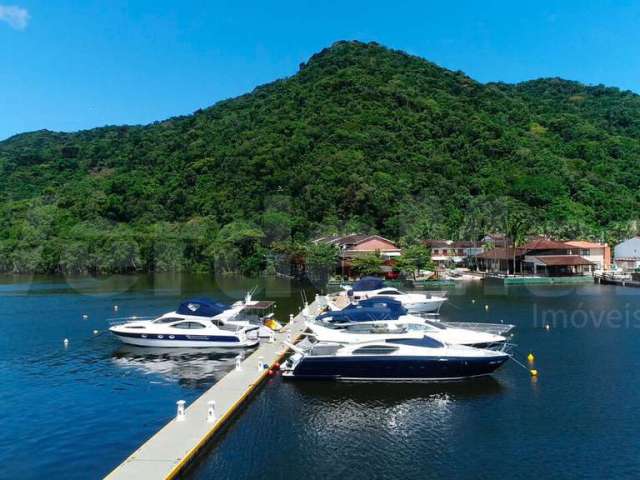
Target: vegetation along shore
361, 138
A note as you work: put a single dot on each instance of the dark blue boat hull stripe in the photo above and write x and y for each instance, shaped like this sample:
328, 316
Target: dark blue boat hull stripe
395, 367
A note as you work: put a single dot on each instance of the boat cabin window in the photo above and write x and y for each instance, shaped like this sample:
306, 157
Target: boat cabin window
375, 350
417, 342
389, 292
166, 320
188, 325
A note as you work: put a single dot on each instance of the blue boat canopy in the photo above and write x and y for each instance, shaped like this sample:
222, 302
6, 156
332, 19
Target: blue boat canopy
382, 302
202, 307
368, 283
362, 314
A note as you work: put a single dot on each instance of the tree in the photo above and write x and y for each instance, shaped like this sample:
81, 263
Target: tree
237, 248
370, 264
516, 225
414, 258
320, 260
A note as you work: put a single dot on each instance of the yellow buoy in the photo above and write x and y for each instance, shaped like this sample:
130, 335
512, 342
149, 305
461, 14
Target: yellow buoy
534, 372
531, 357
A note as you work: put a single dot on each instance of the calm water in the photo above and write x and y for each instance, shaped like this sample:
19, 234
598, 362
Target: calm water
78, 412
579, 419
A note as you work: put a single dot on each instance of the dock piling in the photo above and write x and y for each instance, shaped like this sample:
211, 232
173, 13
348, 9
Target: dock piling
180, 416
211, 411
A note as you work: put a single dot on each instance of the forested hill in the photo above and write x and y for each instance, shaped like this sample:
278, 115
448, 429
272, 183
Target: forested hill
361, 138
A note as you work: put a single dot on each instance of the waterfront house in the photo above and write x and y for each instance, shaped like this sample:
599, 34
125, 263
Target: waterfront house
446, 253
356, 245
552, 258
597, 253
500, 260
627, 254
539, 256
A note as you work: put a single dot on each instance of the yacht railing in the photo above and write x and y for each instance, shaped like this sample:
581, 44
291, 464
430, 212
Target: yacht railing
122, 320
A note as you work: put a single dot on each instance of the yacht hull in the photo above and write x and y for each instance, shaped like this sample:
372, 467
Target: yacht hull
424, 307
185, 341
398, 368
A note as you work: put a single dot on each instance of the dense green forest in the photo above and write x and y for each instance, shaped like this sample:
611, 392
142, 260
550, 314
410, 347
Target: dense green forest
361, 139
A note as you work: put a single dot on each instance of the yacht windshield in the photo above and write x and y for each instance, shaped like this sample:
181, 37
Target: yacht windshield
166, 320
188, 325
417, 342
375, 350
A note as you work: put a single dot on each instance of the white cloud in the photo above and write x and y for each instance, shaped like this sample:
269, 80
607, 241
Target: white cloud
16, 17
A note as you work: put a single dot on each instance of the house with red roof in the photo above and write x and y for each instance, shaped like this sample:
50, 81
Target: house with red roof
540, 257
357, 245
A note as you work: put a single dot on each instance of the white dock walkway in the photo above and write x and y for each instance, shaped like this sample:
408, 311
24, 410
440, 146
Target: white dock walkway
165, 454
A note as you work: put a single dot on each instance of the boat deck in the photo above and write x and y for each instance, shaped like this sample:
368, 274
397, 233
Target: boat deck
171, 449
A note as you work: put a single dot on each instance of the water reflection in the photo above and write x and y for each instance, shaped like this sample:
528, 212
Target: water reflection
391, 394
190, 367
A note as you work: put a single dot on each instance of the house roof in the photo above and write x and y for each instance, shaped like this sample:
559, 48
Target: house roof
562, 260
544, 244
500, 253
450, 244
464, 244
584, 244
438, 243
351, 240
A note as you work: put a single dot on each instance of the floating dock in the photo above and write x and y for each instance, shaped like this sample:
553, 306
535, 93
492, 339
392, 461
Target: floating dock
609, 280
170, 450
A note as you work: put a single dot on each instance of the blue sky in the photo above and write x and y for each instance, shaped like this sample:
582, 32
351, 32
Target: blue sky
69, 65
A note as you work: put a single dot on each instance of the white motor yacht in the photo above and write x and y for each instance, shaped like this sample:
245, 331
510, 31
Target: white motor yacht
392, 359
196, 323
354, 325
369, 287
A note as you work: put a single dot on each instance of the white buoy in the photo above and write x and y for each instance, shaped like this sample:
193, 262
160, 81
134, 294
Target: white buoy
180, 416
291, 318
486, 307
211, 411
547, 327
66, 342
239, 363
95, 332
85, 316
473, 300
115, 308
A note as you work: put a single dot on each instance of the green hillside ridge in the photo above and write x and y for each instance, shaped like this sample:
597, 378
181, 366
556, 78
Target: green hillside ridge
362, 138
